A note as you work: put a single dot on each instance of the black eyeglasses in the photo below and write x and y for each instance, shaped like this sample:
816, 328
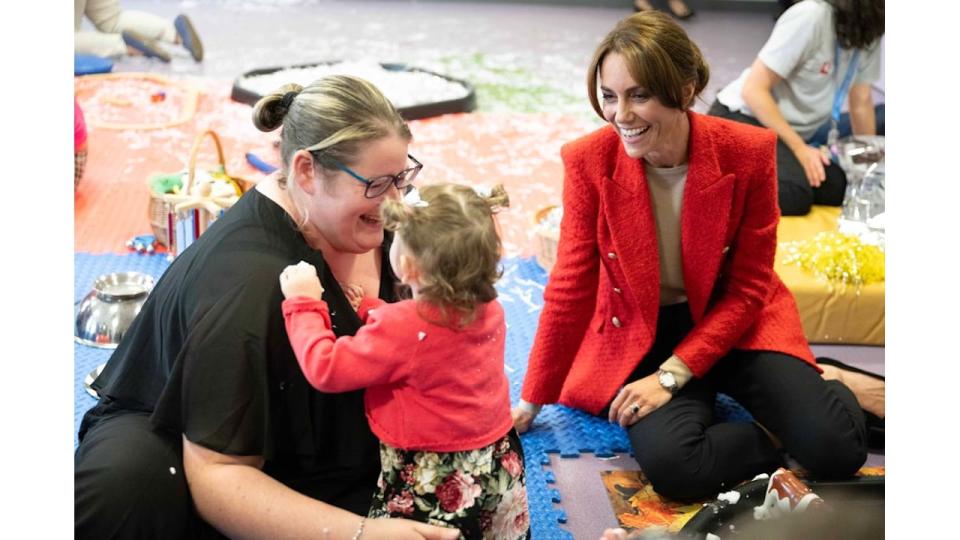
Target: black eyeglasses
379, 185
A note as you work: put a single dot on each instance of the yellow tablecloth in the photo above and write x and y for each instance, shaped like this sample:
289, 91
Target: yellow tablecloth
830, 315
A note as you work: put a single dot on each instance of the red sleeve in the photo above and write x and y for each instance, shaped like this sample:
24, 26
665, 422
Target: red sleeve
571, 292
375, 355
747, 274
79, 127
366, 304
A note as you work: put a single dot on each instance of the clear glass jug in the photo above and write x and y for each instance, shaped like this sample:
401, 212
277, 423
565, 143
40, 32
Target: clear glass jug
862, 159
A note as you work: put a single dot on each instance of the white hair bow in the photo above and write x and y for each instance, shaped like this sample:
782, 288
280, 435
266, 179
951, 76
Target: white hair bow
412, 198
483, 190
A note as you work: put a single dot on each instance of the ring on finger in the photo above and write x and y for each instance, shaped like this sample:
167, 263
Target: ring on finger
635, 409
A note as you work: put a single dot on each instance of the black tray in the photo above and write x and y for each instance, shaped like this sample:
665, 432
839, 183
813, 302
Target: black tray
414, 112
863, 494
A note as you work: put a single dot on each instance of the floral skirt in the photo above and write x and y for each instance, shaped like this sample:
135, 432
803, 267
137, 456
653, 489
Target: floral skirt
79, 164
482, 492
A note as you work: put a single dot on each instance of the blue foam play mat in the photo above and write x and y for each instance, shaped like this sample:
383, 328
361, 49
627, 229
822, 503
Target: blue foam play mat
88, 64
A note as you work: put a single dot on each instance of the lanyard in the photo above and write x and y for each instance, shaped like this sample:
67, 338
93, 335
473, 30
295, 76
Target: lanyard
842, 92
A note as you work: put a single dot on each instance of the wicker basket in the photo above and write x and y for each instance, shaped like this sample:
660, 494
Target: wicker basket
546, 239
161, 209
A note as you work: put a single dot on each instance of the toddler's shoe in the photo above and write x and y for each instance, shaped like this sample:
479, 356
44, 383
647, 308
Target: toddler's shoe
188, 36
148, 47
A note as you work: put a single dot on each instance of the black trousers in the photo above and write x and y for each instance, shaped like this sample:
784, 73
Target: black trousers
794, 191
129, 483
687, 456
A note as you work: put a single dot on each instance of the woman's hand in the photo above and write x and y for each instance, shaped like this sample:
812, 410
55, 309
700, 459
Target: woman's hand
354, 294
521, 419
301, 280
757, 93
403, 529
614, 534
637, 400
234, 495
813, 161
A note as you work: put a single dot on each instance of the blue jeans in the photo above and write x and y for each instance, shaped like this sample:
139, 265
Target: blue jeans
843, 127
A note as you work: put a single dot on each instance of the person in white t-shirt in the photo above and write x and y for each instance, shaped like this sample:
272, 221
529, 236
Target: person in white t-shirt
820, 54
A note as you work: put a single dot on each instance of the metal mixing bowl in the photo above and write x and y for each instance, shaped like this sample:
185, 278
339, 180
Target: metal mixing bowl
858, 152
107, 311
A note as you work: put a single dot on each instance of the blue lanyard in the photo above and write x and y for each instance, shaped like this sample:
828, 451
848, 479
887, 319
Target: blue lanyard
847, 79
842, 91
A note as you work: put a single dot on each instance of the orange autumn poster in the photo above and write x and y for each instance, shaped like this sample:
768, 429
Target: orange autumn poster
637, 506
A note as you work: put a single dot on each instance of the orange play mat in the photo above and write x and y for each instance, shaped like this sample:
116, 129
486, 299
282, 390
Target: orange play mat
132, 137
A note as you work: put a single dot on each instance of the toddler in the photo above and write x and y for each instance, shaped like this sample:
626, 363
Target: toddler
437, 396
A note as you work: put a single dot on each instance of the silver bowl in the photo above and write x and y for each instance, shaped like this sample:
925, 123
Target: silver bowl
107, 311
858, 152
92, 376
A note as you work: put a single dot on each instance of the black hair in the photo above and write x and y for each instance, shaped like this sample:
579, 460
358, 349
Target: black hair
858, 23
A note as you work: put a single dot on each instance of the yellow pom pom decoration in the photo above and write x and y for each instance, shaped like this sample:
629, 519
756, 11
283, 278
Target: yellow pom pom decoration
837, 258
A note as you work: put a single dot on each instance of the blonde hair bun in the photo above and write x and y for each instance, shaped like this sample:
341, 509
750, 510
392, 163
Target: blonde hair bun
270, 110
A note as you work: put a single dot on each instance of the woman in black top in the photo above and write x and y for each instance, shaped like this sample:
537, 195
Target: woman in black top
206, 425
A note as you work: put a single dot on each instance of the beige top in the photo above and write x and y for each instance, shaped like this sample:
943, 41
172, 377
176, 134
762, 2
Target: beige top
666, 194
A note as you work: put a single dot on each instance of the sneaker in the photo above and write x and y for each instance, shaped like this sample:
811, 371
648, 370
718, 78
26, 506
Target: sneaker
188, 36
148, 47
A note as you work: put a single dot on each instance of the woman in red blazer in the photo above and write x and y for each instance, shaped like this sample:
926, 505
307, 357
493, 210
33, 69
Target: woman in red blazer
664, 292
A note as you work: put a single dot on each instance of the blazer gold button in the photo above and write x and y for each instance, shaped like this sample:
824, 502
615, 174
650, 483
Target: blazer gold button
616, 322
611, 255
726, 249
617, 290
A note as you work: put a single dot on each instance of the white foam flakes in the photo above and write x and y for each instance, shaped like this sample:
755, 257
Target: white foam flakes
730, 496
526, 296
403, 88
529, 283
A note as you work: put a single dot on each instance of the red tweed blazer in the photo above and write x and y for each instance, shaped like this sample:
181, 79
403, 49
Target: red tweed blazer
602, 298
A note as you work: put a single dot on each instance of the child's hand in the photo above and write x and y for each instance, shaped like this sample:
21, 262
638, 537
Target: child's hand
354, 294
300, 280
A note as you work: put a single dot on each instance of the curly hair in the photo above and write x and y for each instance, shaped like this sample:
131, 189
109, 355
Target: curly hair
858, 23
455, 244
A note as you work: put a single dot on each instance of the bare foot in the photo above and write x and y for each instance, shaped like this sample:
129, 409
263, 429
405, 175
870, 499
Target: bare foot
642, 5
679, 9
870, 392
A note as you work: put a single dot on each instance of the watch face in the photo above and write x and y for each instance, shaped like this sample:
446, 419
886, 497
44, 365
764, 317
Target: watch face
668, 380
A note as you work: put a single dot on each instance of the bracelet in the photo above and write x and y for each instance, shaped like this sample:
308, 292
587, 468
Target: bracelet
531, 408
356, 535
